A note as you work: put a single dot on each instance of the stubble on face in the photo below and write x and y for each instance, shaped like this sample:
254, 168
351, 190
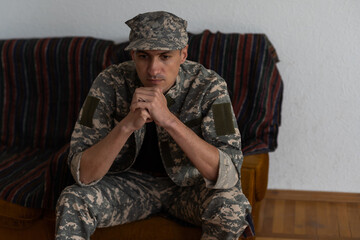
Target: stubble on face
157, 68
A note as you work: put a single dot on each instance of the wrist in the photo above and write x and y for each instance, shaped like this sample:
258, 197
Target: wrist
171, 123
124, 129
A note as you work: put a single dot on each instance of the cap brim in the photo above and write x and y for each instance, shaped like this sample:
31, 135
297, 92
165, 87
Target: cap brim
153, 44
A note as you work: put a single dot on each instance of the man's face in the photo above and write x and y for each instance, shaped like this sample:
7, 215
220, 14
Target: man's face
158, 68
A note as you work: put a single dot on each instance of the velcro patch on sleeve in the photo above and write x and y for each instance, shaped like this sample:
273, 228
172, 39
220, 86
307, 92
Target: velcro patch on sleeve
223, 119
89, 108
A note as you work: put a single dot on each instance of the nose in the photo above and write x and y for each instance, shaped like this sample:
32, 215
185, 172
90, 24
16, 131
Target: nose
154, 67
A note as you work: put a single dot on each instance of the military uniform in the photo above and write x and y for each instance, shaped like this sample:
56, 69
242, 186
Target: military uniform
199, 98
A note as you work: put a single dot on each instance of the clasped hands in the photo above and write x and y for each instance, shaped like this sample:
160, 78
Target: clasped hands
148, 104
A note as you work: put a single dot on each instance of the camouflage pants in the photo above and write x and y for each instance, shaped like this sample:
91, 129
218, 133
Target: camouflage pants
133, 196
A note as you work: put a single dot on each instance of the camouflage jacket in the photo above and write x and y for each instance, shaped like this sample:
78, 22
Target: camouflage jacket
199, 98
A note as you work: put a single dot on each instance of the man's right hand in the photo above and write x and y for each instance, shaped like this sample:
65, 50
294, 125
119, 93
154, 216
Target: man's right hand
136, 119
97, 160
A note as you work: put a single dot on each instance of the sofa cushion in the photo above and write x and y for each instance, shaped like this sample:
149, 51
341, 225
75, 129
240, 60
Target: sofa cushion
17, 217
43, 83
248, 64
33, 177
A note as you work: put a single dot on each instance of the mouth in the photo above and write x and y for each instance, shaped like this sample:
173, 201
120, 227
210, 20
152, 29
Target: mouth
155, 80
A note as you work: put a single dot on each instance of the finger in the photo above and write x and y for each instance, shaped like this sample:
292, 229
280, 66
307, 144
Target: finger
141, 100
147, 94
148, 120
141, 96
148, 91
145, 115
139, 105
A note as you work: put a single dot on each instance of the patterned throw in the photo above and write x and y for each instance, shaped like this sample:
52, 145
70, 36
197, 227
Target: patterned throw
43, 83
247, 62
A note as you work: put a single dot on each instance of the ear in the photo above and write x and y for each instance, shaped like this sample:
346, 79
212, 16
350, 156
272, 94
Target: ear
184, 54
132, 53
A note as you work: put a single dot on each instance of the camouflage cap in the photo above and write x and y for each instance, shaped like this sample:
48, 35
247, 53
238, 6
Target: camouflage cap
157, 31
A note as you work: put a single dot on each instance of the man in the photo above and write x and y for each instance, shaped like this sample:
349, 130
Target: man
155, 134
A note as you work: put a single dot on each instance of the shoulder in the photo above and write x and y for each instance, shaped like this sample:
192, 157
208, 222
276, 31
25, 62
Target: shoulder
196, 69
199, 75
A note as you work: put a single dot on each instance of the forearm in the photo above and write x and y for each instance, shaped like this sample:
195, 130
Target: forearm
97, 160
203, 155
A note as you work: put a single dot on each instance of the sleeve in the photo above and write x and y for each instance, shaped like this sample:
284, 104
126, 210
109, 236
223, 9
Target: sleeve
75, 170
227, 176
219, 128
94, 123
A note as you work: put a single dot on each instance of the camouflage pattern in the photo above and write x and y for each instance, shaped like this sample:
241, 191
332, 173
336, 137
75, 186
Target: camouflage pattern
195, 95
132, 195
192, 99
157, 31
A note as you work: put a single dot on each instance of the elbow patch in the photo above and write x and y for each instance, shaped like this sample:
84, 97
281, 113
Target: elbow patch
89, 108
223, 119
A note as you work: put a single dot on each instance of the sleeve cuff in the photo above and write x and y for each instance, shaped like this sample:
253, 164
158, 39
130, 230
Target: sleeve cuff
75, 170
227, 176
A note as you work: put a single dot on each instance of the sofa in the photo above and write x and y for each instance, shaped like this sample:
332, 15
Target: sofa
43, 84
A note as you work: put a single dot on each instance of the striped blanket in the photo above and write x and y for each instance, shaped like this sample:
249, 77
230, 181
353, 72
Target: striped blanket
247, 62
43, 83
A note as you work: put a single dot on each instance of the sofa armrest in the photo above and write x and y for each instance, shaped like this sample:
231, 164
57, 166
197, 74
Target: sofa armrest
254, 179
259, 163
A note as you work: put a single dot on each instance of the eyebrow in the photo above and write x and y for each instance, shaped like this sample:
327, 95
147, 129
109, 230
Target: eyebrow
144, 52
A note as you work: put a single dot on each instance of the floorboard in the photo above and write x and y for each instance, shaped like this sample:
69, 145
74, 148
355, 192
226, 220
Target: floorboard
290, 215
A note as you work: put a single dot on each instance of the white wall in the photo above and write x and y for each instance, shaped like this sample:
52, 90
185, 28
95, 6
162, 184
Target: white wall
318, 45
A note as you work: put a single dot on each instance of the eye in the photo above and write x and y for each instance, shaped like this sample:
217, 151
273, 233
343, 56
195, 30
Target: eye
142, 56
165, 57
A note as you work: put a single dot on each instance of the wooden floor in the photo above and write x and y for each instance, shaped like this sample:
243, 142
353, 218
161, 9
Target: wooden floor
288, 215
